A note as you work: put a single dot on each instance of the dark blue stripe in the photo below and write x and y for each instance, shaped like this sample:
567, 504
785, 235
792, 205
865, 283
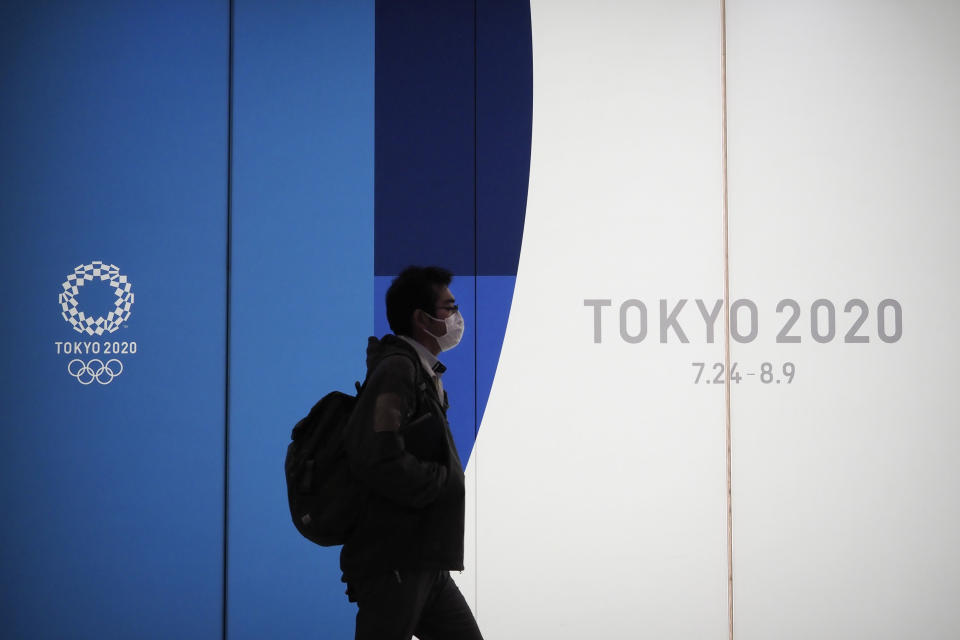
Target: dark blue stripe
505, 114
454, 101
424, 173
454, 104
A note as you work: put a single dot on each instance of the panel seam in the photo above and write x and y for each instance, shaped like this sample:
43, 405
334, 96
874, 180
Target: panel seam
476, 283
726, 308
229, 265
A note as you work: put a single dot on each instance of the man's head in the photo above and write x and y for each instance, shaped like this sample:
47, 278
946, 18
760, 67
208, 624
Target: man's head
419, 304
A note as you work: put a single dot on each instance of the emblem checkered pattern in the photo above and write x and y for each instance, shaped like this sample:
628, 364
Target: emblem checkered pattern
81, 322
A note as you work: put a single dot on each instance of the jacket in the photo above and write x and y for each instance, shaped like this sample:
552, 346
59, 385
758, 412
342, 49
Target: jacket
400, 449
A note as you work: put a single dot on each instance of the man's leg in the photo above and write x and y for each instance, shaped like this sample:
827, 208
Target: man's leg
446, 615
389, 604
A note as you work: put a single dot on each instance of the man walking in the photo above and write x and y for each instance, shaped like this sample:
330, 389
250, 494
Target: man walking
397, 560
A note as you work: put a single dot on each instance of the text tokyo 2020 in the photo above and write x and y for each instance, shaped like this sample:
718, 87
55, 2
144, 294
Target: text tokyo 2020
105, 347
822, 321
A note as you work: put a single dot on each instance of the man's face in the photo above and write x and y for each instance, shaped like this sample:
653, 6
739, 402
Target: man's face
445, 307
446, 304
431, 324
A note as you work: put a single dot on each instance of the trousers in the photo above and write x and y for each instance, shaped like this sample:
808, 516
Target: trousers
399, 604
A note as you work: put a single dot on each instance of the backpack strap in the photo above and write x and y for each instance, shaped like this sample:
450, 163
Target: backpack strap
420, 384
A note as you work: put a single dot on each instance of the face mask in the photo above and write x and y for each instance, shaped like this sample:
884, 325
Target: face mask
454, 332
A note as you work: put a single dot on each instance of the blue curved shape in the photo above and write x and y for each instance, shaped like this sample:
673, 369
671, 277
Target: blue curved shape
454, 106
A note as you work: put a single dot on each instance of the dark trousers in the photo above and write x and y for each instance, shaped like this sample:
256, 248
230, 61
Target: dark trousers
398, 604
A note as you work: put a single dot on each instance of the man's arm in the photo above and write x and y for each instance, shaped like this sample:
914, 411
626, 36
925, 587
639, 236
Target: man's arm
376, 450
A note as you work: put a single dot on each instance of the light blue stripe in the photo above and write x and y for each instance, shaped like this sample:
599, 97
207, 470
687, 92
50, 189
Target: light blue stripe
302, 288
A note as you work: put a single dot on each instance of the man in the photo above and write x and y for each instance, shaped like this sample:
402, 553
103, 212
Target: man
397, 560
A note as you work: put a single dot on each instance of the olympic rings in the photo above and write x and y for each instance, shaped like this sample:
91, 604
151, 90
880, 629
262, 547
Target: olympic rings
121, 289
94, 370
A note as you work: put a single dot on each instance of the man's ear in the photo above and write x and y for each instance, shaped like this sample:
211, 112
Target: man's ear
418, 319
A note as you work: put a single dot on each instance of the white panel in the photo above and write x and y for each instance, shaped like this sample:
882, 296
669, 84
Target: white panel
600, 468
844, 159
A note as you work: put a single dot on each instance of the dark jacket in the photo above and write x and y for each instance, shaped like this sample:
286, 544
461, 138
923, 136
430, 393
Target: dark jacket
400, 448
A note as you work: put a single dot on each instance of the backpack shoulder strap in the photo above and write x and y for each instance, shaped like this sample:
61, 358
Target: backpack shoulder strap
419, 383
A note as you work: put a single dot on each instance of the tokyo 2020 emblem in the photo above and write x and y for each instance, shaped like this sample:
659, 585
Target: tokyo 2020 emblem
96, 323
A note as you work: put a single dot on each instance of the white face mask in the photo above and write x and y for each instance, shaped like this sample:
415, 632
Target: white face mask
451, 338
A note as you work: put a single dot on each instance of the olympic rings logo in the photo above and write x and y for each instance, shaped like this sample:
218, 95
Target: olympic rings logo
121, 289
96, 369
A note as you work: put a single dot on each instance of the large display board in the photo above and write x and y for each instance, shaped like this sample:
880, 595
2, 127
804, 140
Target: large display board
218, 194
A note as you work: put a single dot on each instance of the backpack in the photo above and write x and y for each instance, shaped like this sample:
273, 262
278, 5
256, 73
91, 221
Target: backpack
325, 500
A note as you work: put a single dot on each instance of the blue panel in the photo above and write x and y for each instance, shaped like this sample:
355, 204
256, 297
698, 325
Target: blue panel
113, 148
494, 296
504, 119
425, 135
454, 110
302, 287
380, 325
458, 380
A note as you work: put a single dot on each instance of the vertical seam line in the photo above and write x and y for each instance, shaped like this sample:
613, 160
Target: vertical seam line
476, 281
229, 258
726, 307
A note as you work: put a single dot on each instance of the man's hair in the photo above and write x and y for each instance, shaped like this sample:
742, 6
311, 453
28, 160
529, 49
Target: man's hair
415, 288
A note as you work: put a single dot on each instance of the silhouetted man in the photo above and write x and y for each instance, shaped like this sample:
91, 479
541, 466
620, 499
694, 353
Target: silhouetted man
397, 560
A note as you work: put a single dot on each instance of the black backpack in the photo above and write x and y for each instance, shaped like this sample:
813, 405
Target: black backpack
325, 500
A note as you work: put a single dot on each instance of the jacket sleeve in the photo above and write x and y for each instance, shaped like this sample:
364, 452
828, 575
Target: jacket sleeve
375, 444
